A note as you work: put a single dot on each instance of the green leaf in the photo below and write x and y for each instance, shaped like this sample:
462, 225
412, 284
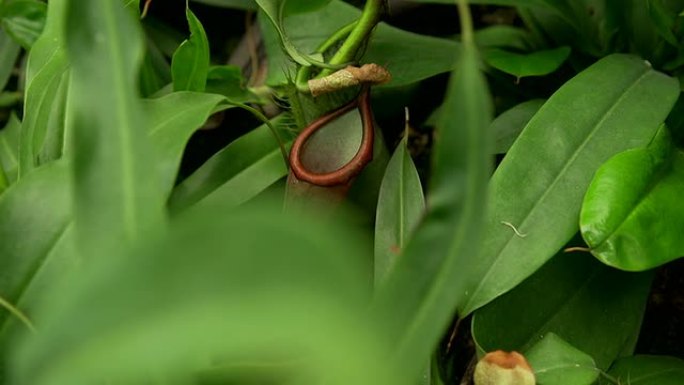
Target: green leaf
118, 193
508, 3
508, 126
647, 370
417, 299
228, 81
156, 70
239, 4
503, 36
45, 71
9, 52
401, 205
536, 192
24, 20
389, 46
556, 362
9, 147
634, 200
159, 315
237, 173
172, 120
663, 20
277, 10
53, 137
521, 65
190, 63
34, 215
593, 307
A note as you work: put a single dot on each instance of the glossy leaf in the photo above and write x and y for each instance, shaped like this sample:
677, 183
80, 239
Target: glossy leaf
647, 370
118, 193
9, 147
276, 10
417, 299
633, 201
46, 70
190, 63
508, 126
172, 120
24, 20
235, 174
522, 65
389, 46
174, 308
536, 192
591, 306
401, 206
9, 52
555, 362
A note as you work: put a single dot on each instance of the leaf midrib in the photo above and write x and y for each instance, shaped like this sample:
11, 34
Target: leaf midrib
547, 191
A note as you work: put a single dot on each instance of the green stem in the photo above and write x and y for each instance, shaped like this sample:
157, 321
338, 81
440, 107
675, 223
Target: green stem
17, 313
467, 35
270, 126
369, 18
305, 72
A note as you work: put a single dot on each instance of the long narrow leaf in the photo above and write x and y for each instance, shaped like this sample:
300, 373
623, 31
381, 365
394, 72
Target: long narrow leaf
417, 300
118, 193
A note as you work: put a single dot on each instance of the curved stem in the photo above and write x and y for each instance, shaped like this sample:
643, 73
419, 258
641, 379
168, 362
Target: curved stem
271, 127
369, 18
304, 72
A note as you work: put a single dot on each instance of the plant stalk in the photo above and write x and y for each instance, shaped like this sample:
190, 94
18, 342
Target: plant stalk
369, 19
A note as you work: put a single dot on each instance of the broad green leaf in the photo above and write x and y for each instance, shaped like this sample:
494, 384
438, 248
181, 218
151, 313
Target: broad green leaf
417, 299
34, 214
591, 306
647, 370
45, 72
228, 81
388, 46
239, 4
633, 200
503, 36
9, 52
237, 173
536, 192
118, 192
277, 10
401, 205
160, 312
522, 65
9, 147
24, 20
508, 126
172, 120
190, 63
556, 362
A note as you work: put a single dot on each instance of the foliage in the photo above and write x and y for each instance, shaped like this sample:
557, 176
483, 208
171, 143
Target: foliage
122, 262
